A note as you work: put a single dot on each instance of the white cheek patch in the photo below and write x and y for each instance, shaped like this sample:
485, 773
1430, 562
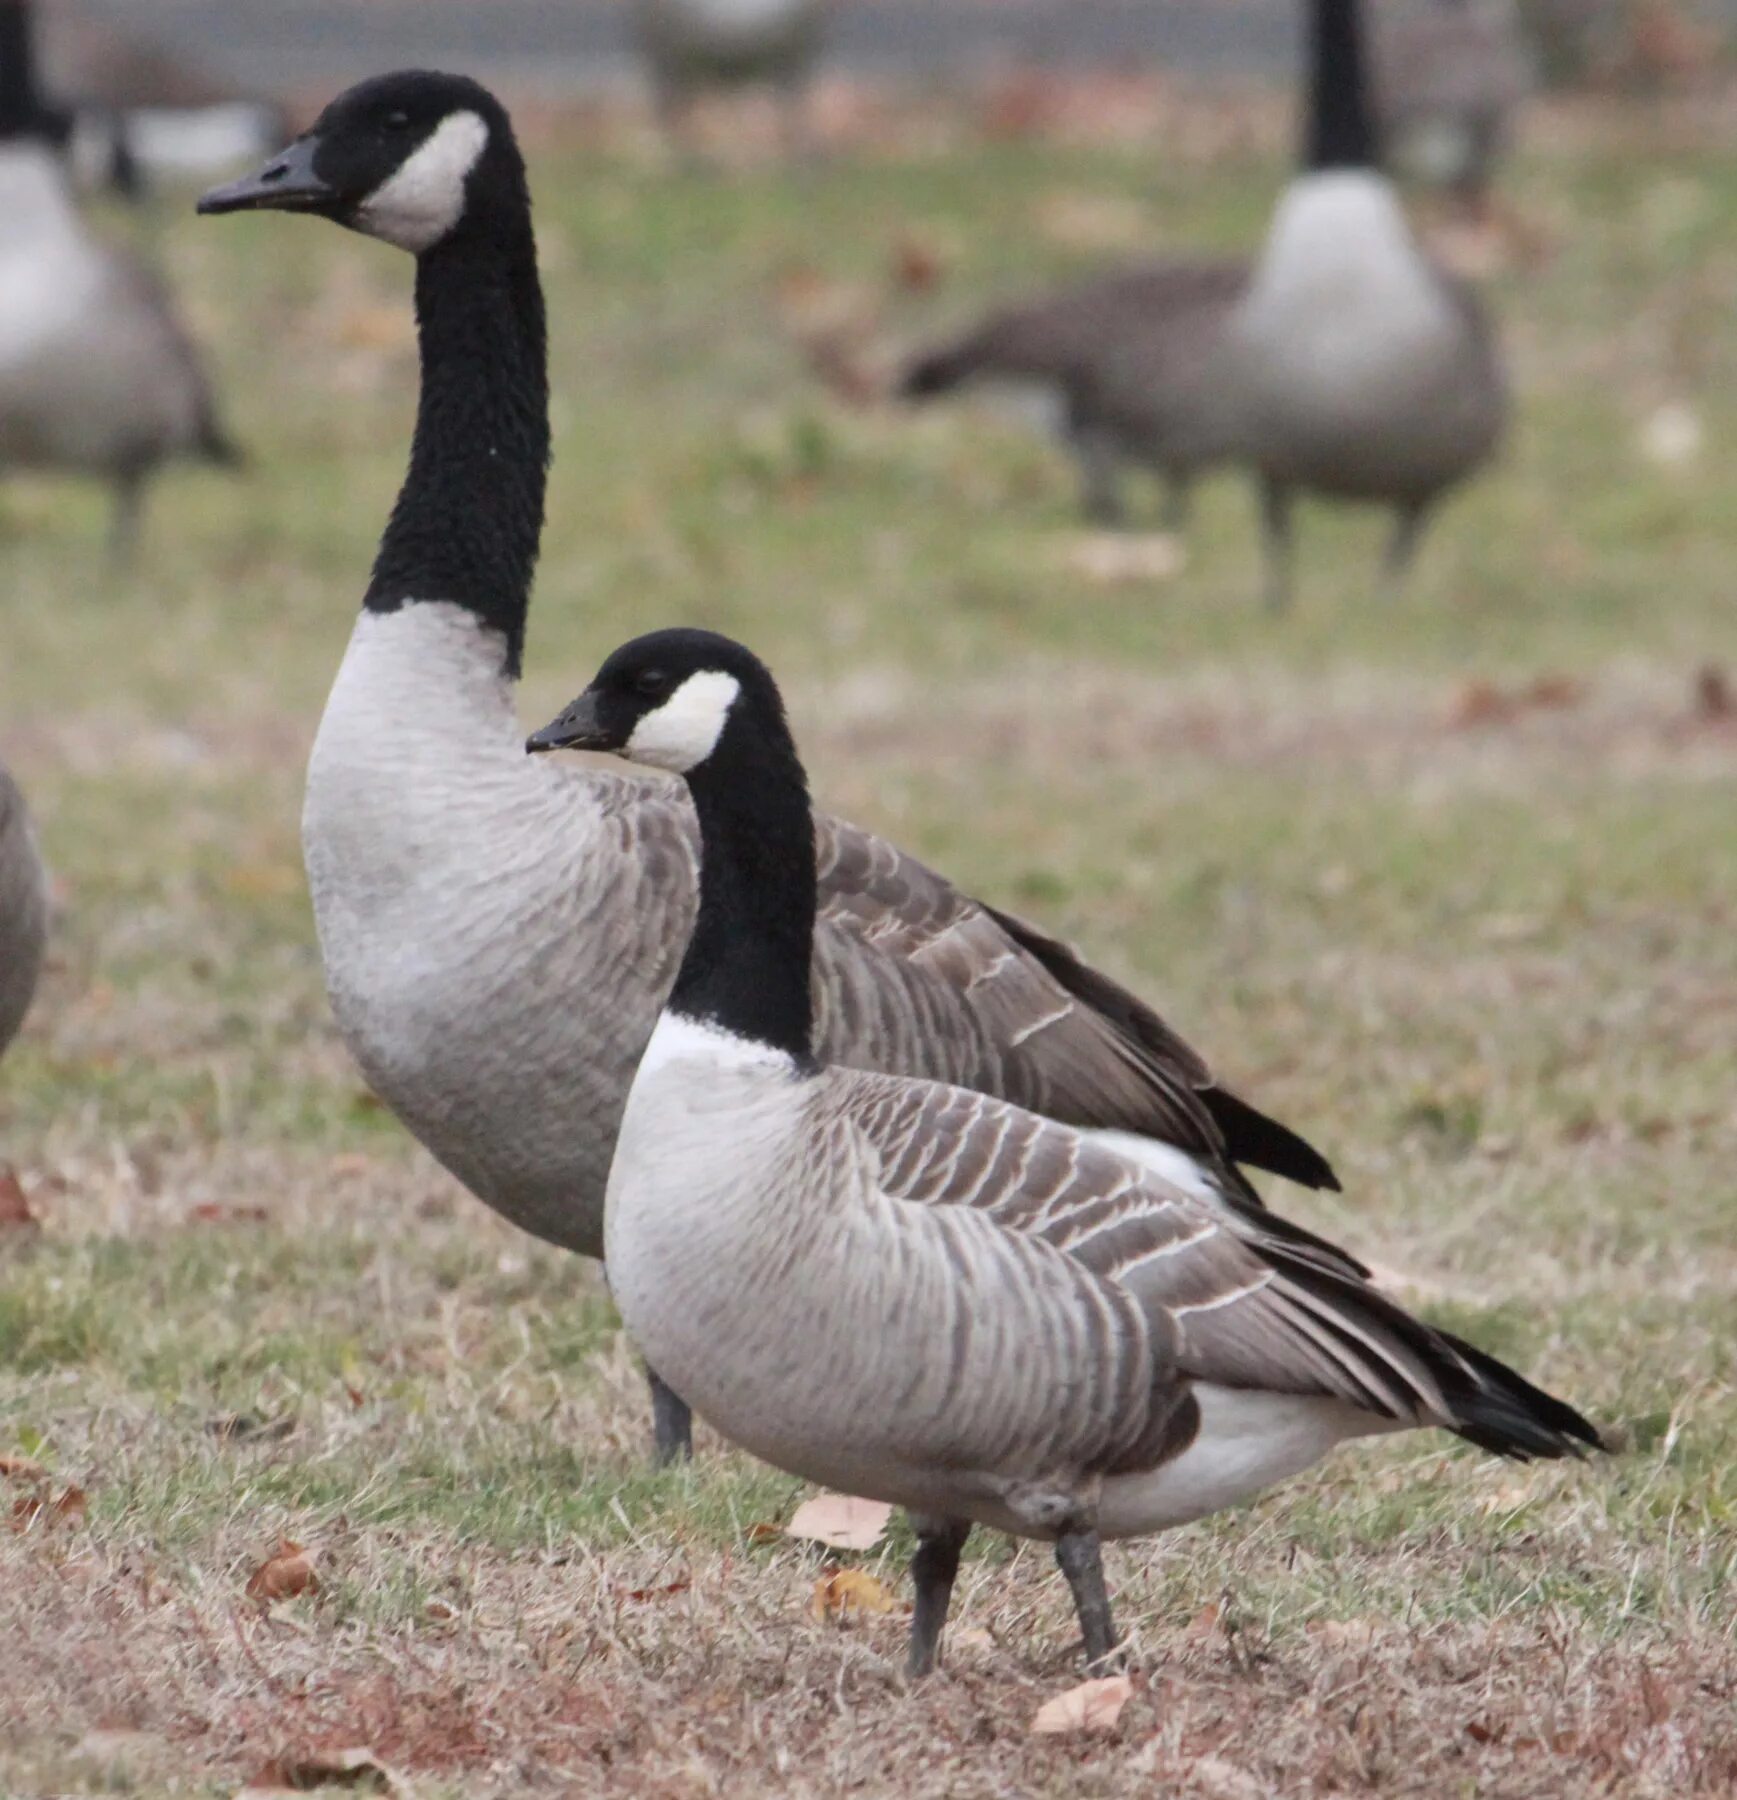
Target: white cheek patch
685, 730
417, 205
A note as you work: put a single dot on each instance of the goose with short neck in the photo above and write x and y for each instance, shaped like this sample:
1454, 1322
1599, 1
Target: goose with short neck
924, 1295
498, 932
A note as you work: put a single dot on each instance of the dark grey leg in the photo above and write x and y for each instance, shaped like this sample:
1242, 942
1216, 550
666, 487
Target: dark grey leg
1276, 543
672, 1422
1100, 480
1081, 1560
1178, 500
124, 521
1408, 526
933, 1569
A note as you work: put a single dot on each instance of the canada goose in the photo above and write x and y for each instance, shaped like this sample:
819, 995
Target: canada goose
499, 932
1451, 74
691, 46
96, 373
23, 910
929, 1296
1344, 364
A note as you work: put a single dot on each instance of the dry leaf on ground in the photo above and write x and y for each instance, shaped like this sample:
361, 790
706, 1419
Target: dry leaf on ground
1092, 1706
840, 1521
14, 1207
21, 1468
288, 1571
69, 1509
842, 1591
306, 1771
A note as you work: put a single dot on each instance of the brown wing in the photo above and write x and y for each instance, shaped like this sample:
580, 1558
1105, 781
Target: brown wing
1241, 1309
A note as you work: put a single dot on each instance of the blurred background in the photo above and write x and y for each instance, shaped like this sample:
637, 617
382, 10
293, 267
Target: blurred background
1447, 878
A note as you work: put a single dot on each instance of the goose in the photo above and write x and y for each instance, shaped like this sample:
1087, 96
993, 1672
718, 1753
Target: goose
97, 374
498, 933
1342, 362
1451, 75
691, 46
930, 1296
23, 909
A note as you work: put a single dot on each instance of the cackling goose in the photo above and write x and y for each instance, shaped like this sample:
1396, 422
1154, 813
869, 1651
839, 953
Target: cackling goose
932, 1297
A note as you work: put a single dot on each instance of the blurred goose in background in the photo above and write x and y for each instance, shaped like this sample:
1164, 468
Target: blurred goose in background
23, 909
1451, 76
693, 47
499, 932
1341, 362
97, 375
930, 1297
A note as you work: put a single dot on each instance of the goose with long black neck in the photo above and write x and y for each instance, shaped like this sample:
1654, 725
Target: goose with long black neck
97, 373
499, 932
924, 1294
1341, 362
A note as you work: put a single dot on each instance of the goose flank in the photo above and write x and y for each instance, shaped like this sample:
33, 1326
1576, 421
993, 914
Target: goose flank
926, 1295
499, 932
23, 909
97, 374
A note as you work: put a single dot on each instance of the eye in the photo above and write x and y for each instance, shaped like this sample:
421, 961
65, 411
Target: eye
651, 683
395, 122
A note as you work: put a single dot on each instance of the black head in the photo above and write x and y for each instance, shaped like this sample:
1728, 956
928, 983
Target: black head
413, 158
670, 699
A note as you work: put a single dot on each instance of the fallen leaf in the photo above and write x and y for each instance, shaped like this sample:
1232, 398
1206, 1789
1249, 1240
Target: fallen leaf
917, 263
307, 1770
1713, 697
238, 1427
1123, 558
765, 1532
840, 1521
1204, 1624
14, 1207
665, 1592
1480, 1733
1553, 692
211, 1212
21, 1468
68, 1509
1478, 703
1092, 1706
288, 1571
1655, 1697
842, 1591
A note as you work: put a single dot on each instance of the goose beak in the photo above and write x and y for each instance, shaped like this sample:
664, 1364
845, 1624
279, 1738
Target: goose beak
578, 728
285, 184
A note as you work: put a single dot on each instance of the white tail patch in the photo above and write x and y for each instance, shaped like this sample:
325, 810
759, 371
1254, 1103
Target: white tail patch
421, 201
684, 731
1164, 1160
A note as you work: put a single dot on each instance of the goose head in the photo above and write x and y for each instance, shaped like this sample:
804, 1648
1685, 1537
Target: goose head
415, 159
669, 700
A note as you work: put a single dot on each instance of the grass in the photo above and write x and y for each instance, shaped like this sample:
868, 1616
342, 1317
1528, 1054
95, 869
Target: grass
1483, 954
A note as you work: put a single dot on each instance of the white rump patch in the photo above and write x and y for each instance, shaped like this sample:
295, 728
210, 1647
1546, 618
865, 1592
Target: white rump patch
417, 205
1164, 1160
684, 731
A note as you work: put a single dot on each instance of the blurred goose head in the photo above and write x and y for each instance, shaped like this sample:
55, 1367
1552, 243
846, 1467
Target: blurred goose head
416, 159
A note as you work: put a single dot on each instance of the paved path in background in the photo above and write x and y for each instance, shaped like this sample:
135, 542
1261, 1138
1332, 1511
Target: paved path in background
574, 43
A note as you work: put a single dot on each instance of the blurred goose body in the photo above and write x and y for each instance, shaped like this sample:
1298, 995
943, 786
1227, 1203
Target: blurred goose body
23, 910
97, 375
923, 1294
499, 932
1341, 362
693, 46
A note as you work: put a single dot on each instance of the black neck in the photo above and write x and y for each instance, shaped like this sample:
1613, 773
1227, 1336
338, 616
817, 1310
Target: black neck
20, 100
1341, 118
469, 518
747, 963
